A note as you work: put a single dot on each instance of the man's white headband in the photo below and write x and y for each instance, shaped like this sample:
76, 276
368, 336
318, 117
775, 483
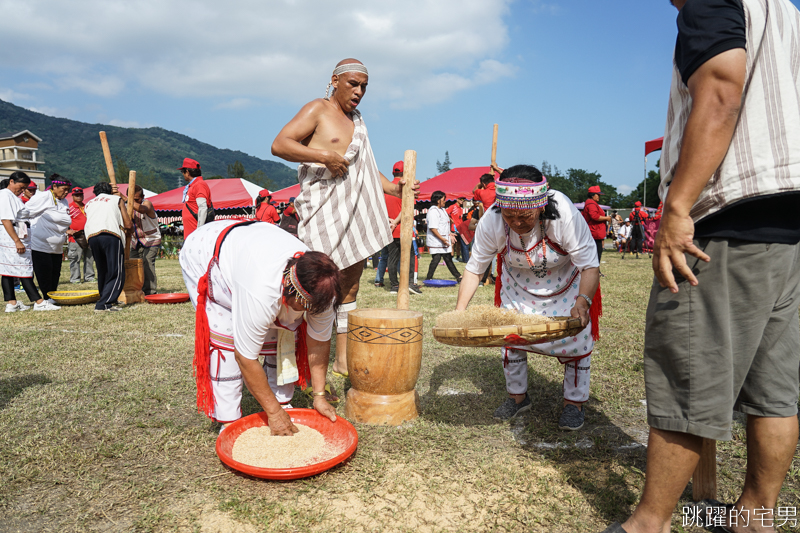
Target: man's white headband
341, 69
350, 67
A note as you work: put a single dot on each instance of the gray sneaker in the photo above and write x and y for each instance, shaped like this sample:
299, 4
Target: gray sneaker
571, 418
510, 408
414, 289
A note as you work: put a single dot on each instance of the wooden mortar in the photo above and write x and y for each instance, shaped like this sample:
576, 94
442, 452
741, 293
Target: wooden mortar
384, 353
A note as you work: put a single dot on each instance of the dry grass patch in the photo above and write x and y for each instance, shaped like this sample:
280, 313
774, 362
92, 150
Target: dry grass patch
100, 432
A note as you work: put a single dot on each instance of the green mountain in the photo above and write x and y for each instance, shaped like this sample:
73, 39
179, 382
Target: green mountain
72, 149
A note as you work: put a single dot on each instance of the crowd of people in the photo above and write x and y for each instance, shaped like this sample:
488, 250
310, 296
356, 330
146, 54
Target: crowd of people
37, 225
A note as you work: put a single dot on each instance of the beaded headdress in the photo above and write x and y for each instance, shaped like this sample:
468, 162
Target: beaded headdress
295, 288
521, 195
341, 69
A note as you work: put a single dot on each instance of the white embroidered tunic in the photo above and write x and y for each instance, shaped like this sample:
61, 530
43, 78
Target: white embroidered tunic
541, 273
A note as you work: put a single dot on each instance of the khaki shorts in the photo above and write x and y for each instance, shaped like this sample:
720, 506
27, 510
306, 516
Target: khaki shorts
731, 342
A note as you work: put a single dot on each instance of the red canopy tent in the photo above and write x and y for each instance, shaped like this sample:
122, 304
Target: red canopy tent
88, 192
228, 193
283, 195
454, 183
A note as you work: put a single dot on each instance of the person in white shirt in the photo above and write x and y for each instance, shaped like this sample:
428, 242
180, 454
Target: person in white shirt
259, 291
624, 235
107, 222
15, 248
549, 266
439, 239
48, 213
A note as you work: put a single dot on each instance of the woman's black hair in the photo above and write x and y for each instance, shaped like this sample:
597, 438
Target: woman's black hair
19, 177
103, 188
194, 172
4, 184
260, 200
59, 178
530, 174
436, 196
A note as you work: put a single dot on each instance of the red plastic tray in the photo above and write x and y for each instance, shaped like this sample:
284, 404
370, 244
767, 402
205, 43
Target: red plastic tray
341, 432
168, 298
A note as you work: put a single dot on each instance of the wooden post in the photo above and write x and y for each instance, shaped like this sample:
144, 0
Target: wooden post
704, 480
494, 147
131, 190
406, 225
107, 154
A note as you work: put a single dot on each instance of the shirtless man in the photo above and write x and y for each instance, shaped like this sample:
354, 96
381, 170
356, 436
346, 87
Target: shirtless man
354, 220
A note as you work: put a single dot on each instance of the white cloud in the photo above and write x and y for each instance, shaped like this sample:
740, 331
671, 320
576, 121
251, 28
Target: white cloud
418, 52
10, 95
236, 103
625, 189
126, 123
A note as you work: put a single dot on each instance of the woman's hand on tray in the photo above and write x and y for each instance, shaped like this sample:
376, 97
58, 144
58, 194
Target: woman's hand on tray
280, 423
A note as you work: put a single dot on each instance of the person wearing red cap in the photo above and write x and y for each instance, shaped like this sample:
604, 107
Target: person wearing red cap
28, 192
637, 216
393, 207
265, 211
596, 218
483, 192
78, 247
340, 205
197, 205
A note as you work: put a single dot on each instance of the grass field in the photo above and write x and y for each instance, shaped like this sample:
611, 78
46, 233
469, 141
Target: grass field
99, 432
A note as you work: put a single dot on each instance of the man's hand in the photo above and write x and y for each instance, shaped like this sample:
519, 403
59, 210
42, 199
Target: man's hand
336, 164
581, 310
401, 184
674, 238
392, 224
324, 408
280, 423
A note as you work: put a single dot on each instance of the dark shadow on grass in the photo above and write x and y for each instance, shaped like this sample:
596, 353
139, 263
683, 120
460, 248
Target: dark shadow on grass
12, 387
595, 459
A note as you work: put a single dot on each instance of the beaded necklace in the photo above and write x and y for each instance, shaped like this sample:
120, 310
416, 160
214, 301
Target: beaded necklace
541, 271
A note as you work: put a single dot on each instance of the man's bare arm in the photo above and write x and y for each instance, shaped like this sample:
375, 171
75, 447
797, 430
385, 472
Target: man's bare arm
396, 189
716, 91
289, 145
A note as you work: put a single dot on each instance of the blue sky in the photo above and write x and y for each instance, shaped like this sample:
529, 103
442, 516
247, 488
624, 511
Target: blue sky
579, 83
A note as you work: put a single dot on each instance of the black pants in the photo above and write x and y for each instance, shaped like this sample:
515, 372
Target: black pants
599, 243
47, 268
448, 260
392, 264
109, 259
637, 238
27, 284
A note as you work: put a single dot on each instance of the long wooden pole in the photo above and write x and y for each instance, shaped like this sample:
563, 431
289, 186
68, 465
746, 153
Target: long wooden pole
704, 479
131, 190
107, 154
494, 147
406, 225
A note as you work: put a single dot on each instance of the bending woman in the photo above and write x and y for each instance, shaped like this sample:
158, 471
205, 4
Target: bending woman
548, 263
15, 249
259, 292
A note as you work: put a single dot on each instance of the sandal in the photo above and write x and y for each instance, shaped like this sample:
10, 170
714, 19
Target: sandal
330, 394
343, 375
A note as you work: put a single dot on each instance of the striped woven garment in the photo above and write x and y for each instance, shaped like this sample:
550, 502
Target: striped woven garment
344, 217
